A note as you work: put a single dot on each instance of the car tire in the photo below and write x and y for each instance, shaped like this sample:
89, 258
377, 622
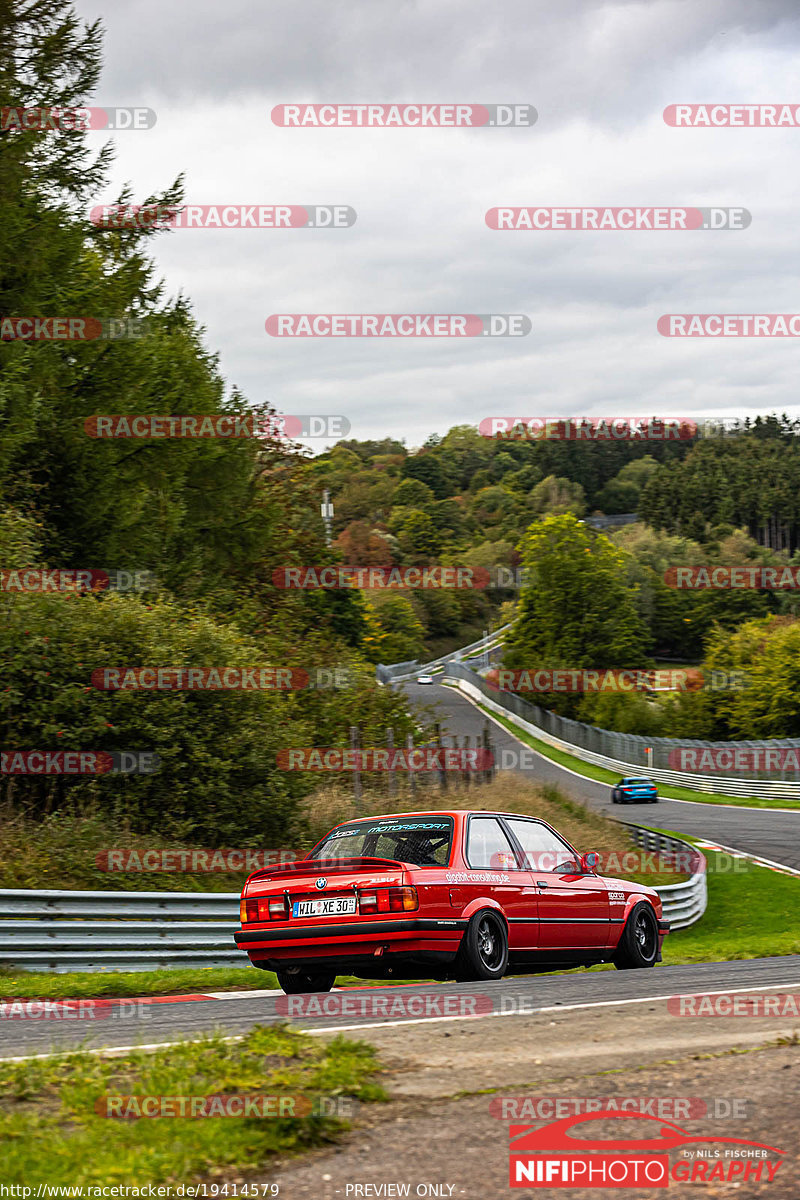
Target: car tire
483, 953
295, 983
638, 946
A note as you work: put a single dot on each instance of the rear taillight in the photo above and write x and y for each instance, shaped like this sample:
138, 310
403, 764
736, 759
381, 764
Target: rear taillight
395, 899
278, 909
264, 908
403, 899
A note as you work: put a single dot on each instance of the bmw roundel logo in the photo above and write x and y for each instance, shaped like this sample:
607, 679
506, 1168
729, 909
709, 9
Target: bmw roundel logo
321, 883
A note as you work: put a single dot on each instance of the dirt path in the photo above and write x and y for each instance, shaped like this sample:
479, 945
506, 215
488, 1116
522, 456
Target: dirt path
437, 1137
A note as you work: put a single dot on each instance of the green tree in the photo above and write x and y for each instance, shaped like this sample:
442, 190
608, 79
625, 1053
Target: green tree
418, 536
576, 609
463, 451
617, 497
215, 747
625, 712
766, 654
638, 471
396, 633
413, 493
427, 466
492, 505
554, 495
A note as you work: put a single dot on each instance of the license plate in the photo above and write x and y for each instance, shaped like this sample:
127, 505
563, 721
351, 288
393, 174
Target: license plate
336, 906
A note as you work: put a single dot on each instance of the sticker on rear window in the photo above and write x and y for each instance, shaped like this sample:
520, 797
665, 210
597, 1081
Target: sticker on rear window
384, 828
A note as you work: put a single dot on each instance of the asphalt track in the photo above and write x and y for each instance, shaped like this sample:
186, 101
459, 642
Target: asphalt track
151, 1023
770, 833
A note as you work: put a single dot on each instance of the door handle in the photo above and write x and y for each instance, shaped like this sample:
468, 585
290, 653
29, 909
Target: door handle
540, 883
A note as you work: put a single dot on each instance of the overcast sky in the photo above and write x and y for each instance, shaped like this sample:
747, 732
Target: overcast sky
599, 76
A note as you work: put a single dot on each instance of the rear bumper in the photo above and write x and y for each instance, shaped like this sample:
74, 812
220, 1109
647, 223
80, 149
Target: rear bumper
406, 936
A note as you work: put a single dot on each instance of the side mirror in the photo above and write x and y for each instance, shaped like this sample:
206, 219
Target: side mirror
589, 861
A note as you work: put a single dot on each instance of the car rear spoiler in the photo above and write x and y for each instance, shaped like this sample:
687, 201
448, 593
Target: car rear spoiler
327, 865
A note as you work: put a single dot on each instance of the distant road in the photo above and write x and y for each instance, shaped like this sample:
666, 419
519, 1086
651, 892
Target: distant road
770, 834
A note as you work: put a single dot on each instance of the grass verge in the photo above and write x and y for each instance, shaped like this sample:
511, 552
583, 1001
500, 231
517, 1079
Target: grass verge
51, 1133
35, 985
752, 913
601, 775
90, 985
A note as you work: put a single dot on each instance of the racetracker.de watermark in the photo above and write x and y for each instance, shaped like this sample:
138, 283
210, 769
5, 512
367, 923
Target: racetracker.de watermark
711, 759
79, 762
76, 579
594, 680
739, 116
381, 758
223, 216
399, 116
665, 1108
614, 219
677, 679
589, 429
365, 1002
72, 329
747, 325
397, 325
50, 119
219, 679
340, 576
736, 1004
76, 1009
636, 861
192, 861
278, 1106
226, 425
725, 578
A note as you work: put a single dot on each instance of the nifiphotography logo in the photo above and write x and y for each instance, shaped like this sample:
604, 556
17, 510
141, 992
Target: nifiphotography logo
550, 1156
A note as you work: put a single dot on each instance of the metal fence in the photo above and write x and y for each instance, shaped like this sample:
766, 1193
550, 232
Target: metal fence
630, 753
615, 521
58, 931
396, 672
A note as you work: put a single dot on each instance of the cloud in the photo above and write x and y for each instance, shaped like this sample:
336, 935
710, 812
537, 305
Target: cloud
599, 76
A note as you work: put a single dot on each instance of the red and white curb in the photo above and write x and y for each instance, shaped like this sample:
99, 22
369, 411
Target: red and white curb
75, 1005
767, 863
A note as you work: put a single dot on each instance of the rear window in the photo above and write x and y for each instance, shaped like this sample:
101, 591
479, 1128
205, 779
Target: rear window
422, 841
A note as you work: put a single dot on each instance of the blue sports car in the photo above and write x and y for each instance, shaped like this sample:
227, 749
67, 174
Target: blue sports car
634, 791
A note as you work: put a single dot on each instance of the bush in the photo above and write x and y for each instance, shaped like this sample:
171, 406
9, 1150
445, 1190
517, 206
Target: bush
218, 780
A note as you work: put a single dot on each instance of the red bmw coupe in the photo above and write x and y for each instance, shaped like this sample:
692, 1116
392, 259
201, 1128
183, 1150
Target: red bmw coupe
466, 895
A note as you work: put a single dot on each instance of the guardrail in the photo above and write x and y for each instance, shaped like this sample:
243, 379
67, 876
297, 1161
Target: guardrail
536, 722
397, 672
684, 903
58, 931
62, 931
